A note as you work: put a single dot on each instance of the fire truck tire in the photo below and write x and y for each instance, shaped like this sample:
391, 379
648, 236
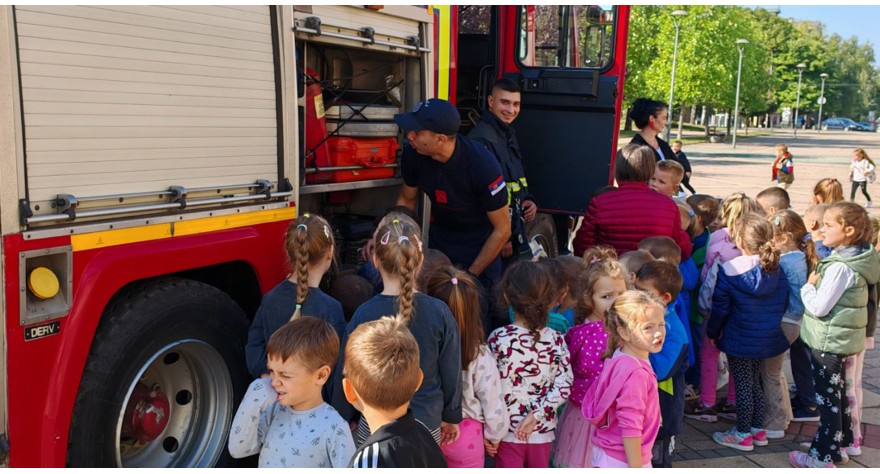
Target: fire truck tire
542, 229
167, 344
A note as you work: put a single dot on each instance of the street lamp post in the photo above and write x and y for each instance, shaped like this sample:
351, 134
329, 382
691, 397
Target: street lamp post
677, 22
797, 107
821, 99
740, 44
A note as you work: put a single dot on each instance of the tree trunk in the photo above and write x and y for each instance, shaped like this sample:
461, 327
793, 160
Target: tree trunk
628, 124
693, 113
680, 122
703, 121
729, 119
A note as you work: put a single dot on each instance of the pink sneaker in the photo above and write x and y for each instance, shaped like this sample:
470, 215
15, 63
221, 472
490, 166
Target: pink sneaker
803, 460
734, 439
759, 437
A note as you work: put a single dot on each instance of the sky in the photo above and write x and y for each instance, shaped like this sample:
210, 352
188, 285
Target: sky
846, 21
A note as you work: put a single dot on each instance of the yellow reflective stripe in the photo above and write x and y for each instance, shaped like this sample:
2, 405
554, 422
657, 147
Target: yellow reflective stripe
524, 183
515, 187
443, 49
111, 238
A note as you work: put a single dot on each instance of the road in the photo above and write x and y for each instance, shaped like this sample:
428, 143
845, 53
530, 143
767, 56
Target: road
720, 170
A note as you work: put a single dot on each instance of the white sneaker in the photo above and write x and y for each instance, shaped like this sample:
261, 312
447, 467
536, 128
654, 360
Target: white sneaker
869, 204
775, 434
854, 450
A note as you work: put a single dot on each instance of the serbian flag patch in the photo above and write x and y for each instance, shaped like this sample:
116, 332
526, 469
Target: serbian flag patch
497, 186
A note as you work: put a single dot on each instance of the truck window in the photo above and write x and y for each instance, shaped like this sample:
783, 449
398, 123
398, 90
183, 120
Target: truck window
474, 19
566, 36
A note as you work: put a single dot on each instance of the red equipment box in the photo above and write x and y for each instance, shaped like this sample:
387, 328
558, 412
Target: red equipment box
370, 153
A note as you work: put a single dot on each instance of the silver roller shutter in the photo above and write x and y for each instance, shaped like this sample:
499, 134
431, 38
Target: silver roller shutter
127, 99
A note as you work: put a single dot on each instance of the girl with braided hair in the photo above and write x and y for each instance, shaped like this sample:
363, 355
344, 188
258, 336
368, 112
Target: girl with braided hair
534, 365
309, 245
397, 255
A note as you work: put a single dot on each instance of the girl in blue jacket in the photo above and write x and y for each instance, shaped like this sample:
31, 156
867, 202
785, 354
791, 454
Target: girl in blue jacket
751, 296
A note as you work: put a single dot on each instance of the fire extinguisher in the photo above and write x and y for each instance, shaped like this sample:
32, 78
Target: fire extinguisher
317, 151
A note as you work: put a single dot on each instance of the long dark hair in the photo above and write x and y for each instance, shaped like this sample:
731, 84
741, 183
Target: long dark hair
462, 294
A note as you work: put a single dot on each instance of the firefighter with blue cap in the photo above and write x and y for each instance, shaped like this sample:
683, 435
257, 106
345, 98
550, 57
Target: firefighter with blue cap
470, 220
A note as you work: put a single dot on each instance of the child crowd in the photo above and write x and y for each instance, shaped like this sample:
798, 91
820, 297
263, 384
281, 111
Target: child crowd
601, 351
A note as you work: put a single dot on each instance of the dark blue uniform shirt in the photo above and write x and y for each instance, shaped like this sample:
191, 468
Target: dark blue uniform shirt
462, 191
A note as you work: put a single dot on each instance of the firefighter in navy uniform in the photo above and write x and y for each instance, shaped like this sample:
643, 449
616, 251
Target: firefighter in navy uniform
470, 218
495, 133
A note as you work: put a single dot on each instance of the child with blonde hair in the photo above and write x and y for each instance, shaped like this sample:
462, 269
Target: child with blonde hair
721, 249
623, 404
309, 245
750, 298
797, 258
437, 402
602, 280
827, 191
783, 167
836, 297
861, 171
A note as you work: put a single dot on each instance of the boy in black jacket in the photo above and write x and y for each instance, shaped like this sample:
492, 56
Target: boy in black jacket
682, 159
381, 375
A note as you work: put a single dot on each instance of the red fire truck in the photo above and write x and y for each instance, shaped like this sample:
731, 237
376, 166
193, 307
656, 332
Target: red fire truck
151, 159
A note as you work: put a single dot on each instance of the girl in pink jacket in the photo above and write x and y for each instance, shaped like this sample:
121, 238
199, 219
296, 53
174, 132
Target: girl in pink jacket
623, 404
601, 282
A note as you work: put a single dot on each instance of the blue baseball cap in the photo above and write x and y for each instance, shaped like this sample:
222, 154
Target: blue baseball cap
436, 115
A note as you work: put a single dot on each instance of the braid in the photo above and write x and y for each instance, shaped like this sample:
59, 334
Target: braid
308, 241
408, 269
300, 269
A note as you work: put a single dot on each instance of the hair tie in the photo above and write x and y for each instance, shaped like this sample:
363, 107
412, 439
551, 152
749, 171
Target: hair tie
742, 195
384, 240
454, 281
303, 226
402, 238
808, 236
395, 221
306, 215
777, 221
418, 242
326, 231
691, 212
594, 260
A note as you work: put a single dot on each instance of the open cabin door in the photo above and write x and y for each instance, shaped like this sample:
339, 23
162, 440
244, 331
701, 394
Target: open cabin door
569, 60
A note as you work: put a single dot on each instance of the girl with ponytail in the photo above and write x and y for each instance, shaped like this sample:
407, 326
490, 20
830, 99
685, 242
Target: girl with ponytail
485, 421
749, 301
309, 245
397, 255
797, 258
534, 365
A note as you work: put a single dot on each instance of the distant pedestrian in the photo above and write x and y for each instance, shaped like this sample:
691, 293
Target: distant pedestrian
783, 167
682, 159
861, 171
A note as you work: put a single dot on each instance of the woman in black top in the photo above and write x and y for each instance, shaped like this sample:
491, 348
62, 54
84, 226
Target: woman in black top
650, 118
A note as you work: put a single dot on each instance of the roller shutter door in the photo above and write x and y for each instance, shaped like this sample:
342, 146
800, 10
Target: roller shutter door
125, 99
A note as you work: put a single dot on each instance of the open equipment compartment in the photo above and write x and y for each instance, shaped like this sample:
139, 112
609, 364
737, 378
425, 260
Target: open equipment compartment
356, 68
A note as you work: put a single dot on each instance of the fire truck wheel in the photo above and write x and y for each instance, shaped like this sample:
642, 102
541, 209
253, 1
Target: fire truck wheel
164, 374
543, 231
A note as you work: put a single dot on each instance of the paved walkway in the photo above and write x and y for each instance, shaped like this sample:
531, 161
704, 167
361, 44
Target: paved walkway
720, 170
